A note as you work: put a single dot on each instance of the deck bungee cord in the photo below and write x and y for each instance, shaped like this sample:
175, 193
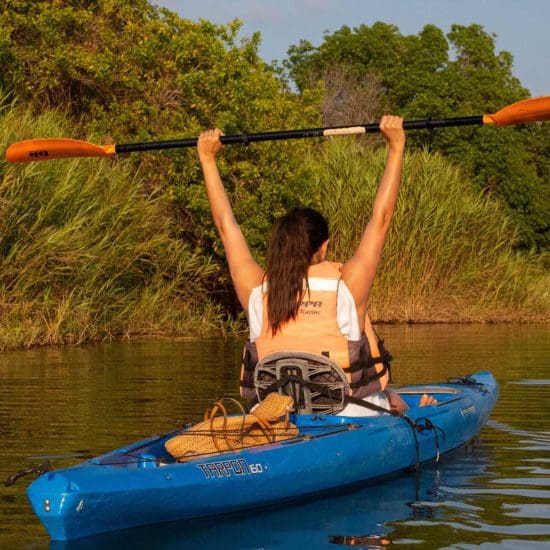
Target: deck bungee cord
466, 380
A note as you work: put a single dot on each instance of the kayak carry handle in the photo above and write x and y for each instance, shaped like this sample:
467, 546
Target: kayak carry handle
40, 469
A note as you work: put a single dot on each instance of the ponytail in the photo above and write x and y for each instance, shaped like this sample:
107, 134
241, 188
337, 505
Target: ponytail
295, 238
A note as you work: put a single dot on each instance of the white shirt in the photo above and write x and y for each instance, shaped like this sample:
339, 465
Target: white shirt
346, 312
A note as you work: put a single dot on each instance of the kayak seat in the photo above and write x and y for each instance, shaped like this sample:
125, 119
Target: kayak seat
316, 384
221, 432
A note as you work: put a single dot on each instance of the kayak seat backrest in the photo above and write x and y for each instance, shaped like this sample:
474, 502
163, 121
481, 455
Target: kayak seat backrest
316, 384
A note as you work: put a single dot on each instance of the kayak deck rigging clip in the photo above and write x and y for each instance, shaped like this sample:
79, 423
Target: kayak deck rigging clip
467, 380
428, 425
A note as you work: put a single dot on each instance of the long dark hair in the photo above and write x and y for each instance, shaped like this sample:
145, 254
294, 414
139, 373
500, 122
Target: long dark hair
295, 238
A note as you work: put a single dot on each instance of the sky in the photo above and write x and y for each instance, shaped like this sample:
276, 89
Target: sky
522, 27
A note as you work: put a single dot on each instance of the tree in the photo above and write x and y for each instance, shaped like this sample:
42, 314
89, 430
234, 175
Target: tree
127, 70
453, 75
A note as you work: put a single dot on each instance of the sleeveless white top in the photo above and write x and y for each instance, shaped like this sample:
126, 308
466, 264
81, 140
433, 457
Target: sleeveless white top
346, 312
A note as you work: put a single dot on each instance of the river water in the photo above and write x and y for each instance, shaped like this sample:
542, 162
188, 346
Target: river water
71, 403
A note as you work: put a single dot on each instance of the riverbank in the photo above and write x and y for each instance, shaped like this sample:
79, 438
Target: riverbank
92, 250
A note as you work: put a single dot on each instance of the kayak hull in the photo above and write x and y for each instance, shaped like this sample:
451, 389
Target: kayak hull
139, 485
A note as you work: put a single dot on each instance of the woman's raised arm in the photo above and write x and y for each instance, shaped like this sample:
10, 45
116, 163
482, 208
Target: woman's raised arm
245, 272
358, 272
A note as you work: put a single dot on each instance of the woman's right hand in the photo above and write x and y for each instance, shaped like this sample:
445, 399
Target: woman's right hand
209, 144
392, 129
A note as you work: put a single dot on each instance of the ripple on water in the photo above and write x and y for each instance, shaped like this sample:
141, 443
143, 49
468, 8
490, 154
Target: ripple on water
523, 481
530, 382
520, 492
534, 511
531, 529
504, 544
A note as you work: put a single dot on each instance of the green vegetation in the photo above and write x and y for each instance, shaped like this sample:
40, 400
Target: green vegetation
87, 252
449, 255
128, 71
459, 74
92, 249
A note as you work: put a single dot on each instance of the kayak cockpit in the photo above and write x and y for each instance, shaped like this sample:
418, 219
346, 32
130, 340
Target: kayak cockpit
152, 452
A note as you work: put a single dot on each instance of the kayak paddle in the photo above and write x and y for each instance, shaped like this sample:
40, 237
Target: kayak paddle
529, 110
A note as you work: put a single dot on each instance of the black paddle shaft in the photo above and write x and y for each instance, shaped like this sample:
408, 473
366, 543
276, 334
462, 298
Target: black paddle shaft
427, 123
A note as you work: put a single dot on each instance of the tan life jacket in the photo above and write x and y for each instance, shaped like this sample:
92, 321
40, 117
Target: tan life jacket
315, 330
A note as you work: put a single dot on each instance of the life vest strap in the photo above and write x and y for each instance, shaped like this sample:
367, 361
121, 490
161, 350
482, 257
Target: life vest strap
366, 379
250, 360
366, 363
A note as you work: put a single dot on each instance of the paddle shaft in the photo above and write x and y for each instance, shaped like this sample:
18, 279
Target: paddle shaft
535, 109
428, 123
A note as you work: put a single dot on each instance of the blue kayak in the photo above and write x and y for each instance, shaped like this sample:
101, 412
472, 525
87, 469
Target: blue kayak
141, 484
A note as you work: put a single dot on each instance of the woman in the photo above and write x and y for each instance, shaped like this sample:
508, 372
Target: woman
302, 302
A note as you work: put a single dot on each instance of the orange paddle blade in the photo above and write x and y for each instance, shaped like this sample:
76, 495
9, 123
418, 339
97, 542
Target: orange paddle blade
33, 150
536, 109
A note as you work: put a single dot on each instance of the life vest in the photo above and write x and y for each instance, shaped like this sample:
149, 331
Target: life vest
316, 330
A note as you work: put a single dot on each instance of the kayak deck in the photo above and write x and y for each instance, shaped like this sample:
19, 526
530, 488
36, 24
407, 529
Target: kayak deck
151, 453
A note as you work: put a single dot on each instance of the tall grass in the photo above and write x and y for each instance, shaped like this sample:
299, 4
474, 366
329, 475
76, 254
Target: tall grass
449, 255
88, 251
89, 248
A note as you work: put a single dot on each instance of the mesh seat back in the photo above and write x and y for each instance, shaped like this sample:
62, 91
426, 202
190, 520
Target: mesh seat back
316, 384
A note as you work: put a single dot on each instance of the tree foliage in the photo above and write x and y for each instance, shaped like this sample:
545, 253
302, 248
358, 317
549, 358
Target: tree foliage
457, 74
127, 70
448, 256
